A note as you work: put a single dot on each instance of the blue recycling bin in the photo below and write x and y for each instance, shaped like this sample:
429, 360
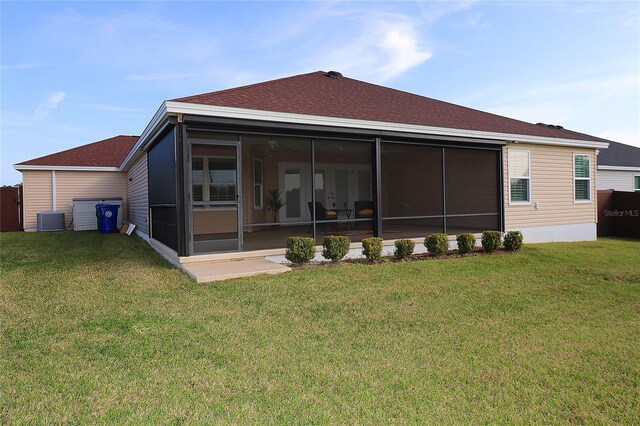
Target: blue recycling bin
107, 217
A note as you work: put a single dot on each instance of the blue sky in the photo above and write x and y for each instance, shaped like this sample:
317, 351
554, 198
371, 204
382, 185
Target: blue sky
73, 73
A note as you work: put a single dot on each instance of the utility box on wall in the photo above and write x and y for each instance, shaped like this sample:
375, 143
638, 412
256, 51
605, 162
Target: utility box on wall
84, 212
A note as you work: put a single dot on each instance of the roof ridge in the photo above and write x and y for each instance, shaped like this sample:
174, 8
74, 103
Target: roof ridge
450, 103
233, 89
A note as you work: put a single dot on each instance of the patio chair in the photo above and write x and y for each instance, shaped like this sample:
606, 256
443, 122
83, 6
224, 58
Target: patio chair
363, 210
322, 213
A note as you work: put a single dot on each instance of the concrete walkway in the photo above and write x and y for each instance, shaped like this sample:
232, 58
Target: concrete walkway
204, 272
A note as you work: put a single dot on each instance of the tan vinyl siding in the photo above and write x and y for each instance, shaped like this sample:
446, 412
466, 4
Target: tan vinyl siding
551, 187
138, 194
70, 185
37, 195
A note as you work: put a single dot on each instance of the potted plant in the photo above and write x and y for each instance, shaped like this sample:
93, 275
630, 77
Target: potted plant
274, 202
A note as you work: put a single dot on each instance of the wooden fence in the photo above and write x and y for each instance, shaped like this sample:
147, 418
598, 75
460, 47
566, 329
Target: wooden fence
618, 214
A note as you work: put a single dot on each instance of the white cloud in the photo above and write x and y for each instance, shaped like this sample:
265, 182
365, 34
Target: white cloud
116, 109
159, 76
402, 51
52, 102
375, 47
23, 66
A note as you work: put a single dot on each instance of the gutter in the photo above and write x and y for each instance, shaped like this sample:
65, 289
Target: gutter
619, 168
21, 167
172, 108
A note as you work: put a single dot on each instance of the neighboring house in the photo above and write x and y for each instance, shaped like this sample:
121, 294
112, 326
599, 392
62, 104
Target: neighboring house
348, 158
619, 167
93, 170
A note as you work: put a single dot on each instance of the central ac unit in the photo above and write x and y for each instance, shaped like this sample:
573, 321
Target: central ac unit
50, 221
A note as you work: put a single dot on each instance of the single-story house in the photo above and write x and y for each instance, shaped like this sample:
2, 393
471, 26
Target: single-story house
242, 169
93, 170
619, 167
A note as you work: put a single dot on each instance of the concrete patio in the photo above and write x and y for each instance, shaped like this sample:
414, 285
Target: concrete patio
220, 270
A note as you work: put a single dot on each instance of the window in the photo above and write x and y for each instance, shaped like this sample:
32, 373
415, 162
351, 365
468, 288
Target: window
519, 176
197, 178
213, 179
636, 183
258, 193
222, 179
581, 177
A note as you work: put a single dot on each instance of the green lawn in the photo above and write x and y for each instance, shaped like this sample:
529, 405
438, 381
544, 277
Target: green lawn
98, 329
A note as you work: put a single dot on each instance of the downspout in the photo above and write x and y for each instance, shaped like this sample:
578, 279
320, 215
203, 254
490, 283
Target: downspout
53, 190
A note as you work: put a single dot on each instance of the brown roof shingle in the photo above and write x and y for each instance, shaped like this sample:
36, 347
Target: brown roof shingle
317, 94
105, 153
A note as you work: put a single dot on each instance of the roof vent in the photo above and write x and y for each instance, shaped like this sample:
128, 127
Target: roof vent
550, 126
334, 74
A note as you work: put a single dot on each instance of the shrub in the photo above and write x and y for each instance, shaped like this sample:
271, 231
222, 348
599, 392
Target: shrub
513, 240
404, 248
437, 244
372, 248
491, 240
466, 242
335, 247
300, 250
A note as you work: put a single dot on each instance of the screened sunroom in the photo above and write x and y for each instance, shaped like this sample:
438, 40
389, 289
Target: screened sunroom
219, 188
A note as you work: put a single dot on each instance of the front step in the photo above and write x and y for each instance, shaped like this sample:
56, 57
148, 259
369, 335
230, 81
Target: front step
203, 272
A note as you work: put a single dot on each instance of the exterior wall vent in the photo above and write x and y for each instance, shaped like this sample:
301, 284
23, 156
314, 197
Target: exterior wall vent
334, 74
50, 221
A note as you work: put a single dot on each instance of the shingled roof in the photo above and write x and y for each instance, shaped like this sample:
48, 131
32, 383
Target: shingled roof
319, 94
619, 154
105, 153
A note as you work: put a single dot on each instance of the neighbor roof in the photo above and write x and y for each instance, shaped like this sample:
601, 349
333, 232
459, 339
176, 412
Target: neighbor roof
105, 153
619, 154
318, 94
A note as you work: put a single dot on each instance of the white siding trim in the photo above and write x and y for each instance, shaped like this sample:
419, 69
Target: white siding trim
620, 168
67, 168
250, 114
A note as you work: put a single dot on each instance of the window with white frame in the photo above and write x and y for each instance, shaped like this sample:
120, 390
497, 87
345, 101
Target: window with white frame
582, 177
258, 193
519, 176
636, 183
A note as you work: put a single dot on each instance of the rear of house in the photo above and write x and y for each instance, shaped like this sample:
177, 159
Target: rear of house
242, 169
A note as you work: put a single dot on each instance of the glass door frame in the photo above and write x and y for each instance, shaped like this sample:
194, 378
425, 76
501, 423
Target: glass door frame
238, 203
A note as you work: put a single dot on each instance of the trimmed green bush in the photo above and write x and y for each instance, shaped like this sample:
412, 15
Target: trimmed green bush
404, 248
466, 242
335, 247
372, 248
300, 250
437, 244
491, 240
513, 240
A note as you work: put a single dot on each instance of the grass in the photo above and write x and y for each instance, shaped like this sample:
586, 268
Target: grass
98, 329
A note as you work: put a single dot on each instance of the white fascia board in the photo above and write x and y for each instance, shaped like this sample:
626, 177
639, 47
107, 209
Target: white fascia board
284, 117
20, 167
619, 168
148, 131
